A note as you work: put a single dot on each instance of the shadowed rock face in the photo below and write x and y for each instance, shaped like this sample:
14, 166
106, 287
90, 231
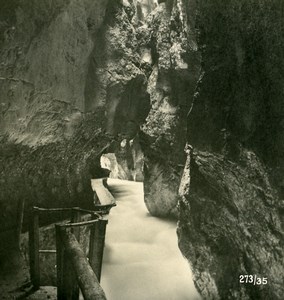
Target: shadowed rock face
231, 212
230, 225
127, 106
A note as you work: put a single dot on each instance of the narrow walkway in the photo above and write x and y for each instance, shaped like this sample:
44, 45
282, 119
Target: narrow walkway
141, 259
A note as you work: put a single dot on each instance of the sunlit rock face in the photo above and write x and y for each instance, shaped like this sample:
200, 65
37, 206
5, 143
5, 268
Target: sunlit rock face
44, 62
231, 212
127, 162
115, 79
171, 83
118, 83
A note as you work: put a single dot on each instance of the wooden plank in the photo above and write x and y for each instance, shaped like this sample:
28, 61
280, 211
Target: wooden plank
60, 209
103, 194
34, 249
86, 277
83, 223
96, 246
51, 251
87, 211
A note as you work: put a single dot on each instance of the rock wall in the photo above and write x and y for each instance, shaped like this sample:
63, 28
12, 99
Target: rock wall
171, 45
231, 212
72, 89
44, 61
55, 124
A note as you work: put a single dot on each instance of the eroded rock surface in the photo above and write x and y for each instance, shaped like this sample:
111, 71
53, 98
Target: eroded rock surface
230, 225
171, 85
231, 212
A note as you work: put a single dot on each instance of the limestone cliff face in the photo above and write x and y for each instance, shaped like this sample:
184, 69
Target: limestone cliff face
50, 146
71, 89
44, 61
171, 86
231, 212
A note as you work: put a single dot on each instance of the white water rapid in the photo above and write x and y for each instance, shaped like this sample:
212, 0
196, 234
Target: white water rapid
141, 257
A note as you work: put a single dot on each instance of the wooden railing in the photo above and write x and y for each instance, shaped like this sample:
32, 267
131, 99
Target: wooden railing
74, 271
70, 274
34, 250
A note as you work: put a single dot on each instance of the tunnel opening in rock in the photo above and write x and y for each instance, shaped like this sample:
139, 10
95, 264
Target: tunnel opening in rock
126, 162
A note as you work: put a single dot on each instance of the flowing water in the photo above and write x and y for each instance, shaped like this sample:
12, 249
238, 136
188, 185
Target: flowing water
141, 258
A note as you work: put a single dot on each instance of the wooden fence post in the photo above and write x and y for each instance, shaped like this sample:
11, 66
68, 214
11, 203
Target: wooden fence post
87, 279
96, 246
34, 249
59, 264
75, 218
67, 286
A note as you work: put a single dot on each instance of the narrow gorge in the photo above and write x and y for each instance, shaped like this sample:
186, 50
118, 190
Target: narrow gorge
185, 96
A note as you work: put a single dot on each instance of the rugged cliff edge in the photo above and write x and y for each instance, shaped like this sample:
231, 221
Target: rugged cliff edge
137, 82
